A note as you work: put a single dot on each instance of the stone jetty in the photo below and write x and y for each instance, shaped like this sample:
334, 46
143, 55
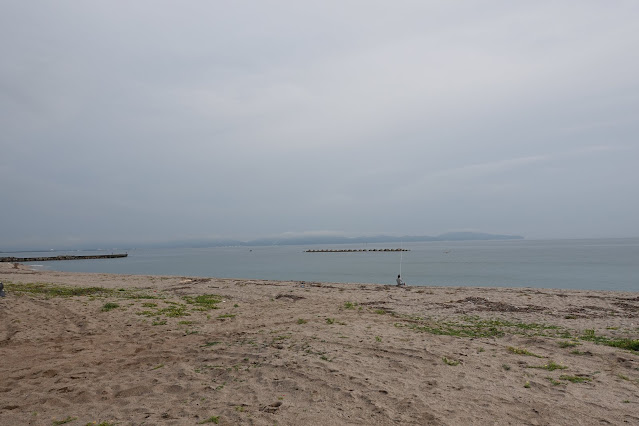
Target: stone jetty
47, 258
353, 250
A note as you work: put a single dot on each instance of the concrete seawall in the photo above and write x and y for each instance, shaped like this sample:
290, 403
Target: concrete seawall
352, 251
47, 258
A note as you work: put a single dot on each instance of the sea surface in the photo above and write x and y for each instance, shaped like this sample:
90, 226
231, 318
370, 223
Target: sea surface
596, 264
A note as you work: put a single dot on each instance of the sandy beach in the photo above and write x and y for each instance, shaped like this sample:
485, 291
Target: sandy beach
142, 350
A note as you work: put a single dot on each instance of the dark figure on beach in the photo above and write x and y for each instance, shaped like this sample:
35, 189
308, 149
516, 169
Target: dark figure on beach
399, 281
2, 294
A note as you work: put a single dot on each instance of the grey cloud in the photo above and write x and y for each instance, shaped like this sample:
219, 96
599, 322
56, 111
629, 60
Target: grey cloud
155, 120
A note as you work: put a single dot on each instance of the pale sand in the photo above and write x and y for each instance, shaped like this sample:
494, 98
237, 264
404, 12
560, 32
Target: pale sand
63, 357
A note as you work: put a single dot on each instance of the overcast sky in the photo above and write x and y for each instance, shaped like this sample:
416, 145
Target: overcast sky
130, 122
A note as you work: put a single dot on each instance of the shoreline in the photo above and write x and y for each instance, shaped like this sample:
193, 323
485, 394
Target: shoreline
311, 353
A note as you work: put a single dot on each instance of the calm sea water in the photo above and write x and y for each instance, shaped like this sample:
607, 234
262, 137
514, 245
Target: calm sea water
601, 264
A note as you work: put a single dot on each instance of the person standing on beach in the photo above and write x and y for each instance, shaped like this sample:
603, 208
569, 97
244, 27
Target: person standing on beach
399, 281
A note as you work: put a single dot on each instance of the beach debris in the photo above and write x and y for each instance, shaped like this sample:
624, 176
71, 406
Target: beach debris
2, 293
272, 408
289, 296
483, 304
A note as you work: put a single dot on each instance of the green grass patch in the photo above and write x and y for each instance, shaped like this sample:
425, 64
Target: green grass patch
551, 366
622, 343
448, 329
53, 290
149, 305
349, 305
174, 311
186, 322
450, 361
301, 321
330, 320
226, 316
212, 419
204, 302
476, 327
159, 322
211, 344
520, 351
577, 352
380, 312
109, 306
553, 381
575, 379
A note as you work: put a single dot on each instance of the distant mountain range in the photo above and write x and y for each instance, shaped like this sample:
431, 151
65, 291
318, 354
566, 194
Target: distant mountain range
292, 240
334, 239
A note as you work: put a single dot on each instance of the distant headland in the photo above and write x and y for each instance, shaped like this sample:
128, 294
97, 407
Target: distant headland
336, 239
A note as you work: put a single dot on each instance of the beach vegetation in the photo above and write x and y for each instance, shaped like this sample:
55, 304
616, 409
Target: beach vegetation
378, 339
575, 379
349, 305
204, 302
226, 316
53, 290
174, 311
186, 322
380, 311
520, 351
211, 344
449, 329
505, 367
109, 306
149, 305
452, 362
527, 384
159, 322
157, 367
330, 320
550, 366
212, 419
301, 321
577, 352
622, 343
553, 381
568, 344
476, 327
65, 421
